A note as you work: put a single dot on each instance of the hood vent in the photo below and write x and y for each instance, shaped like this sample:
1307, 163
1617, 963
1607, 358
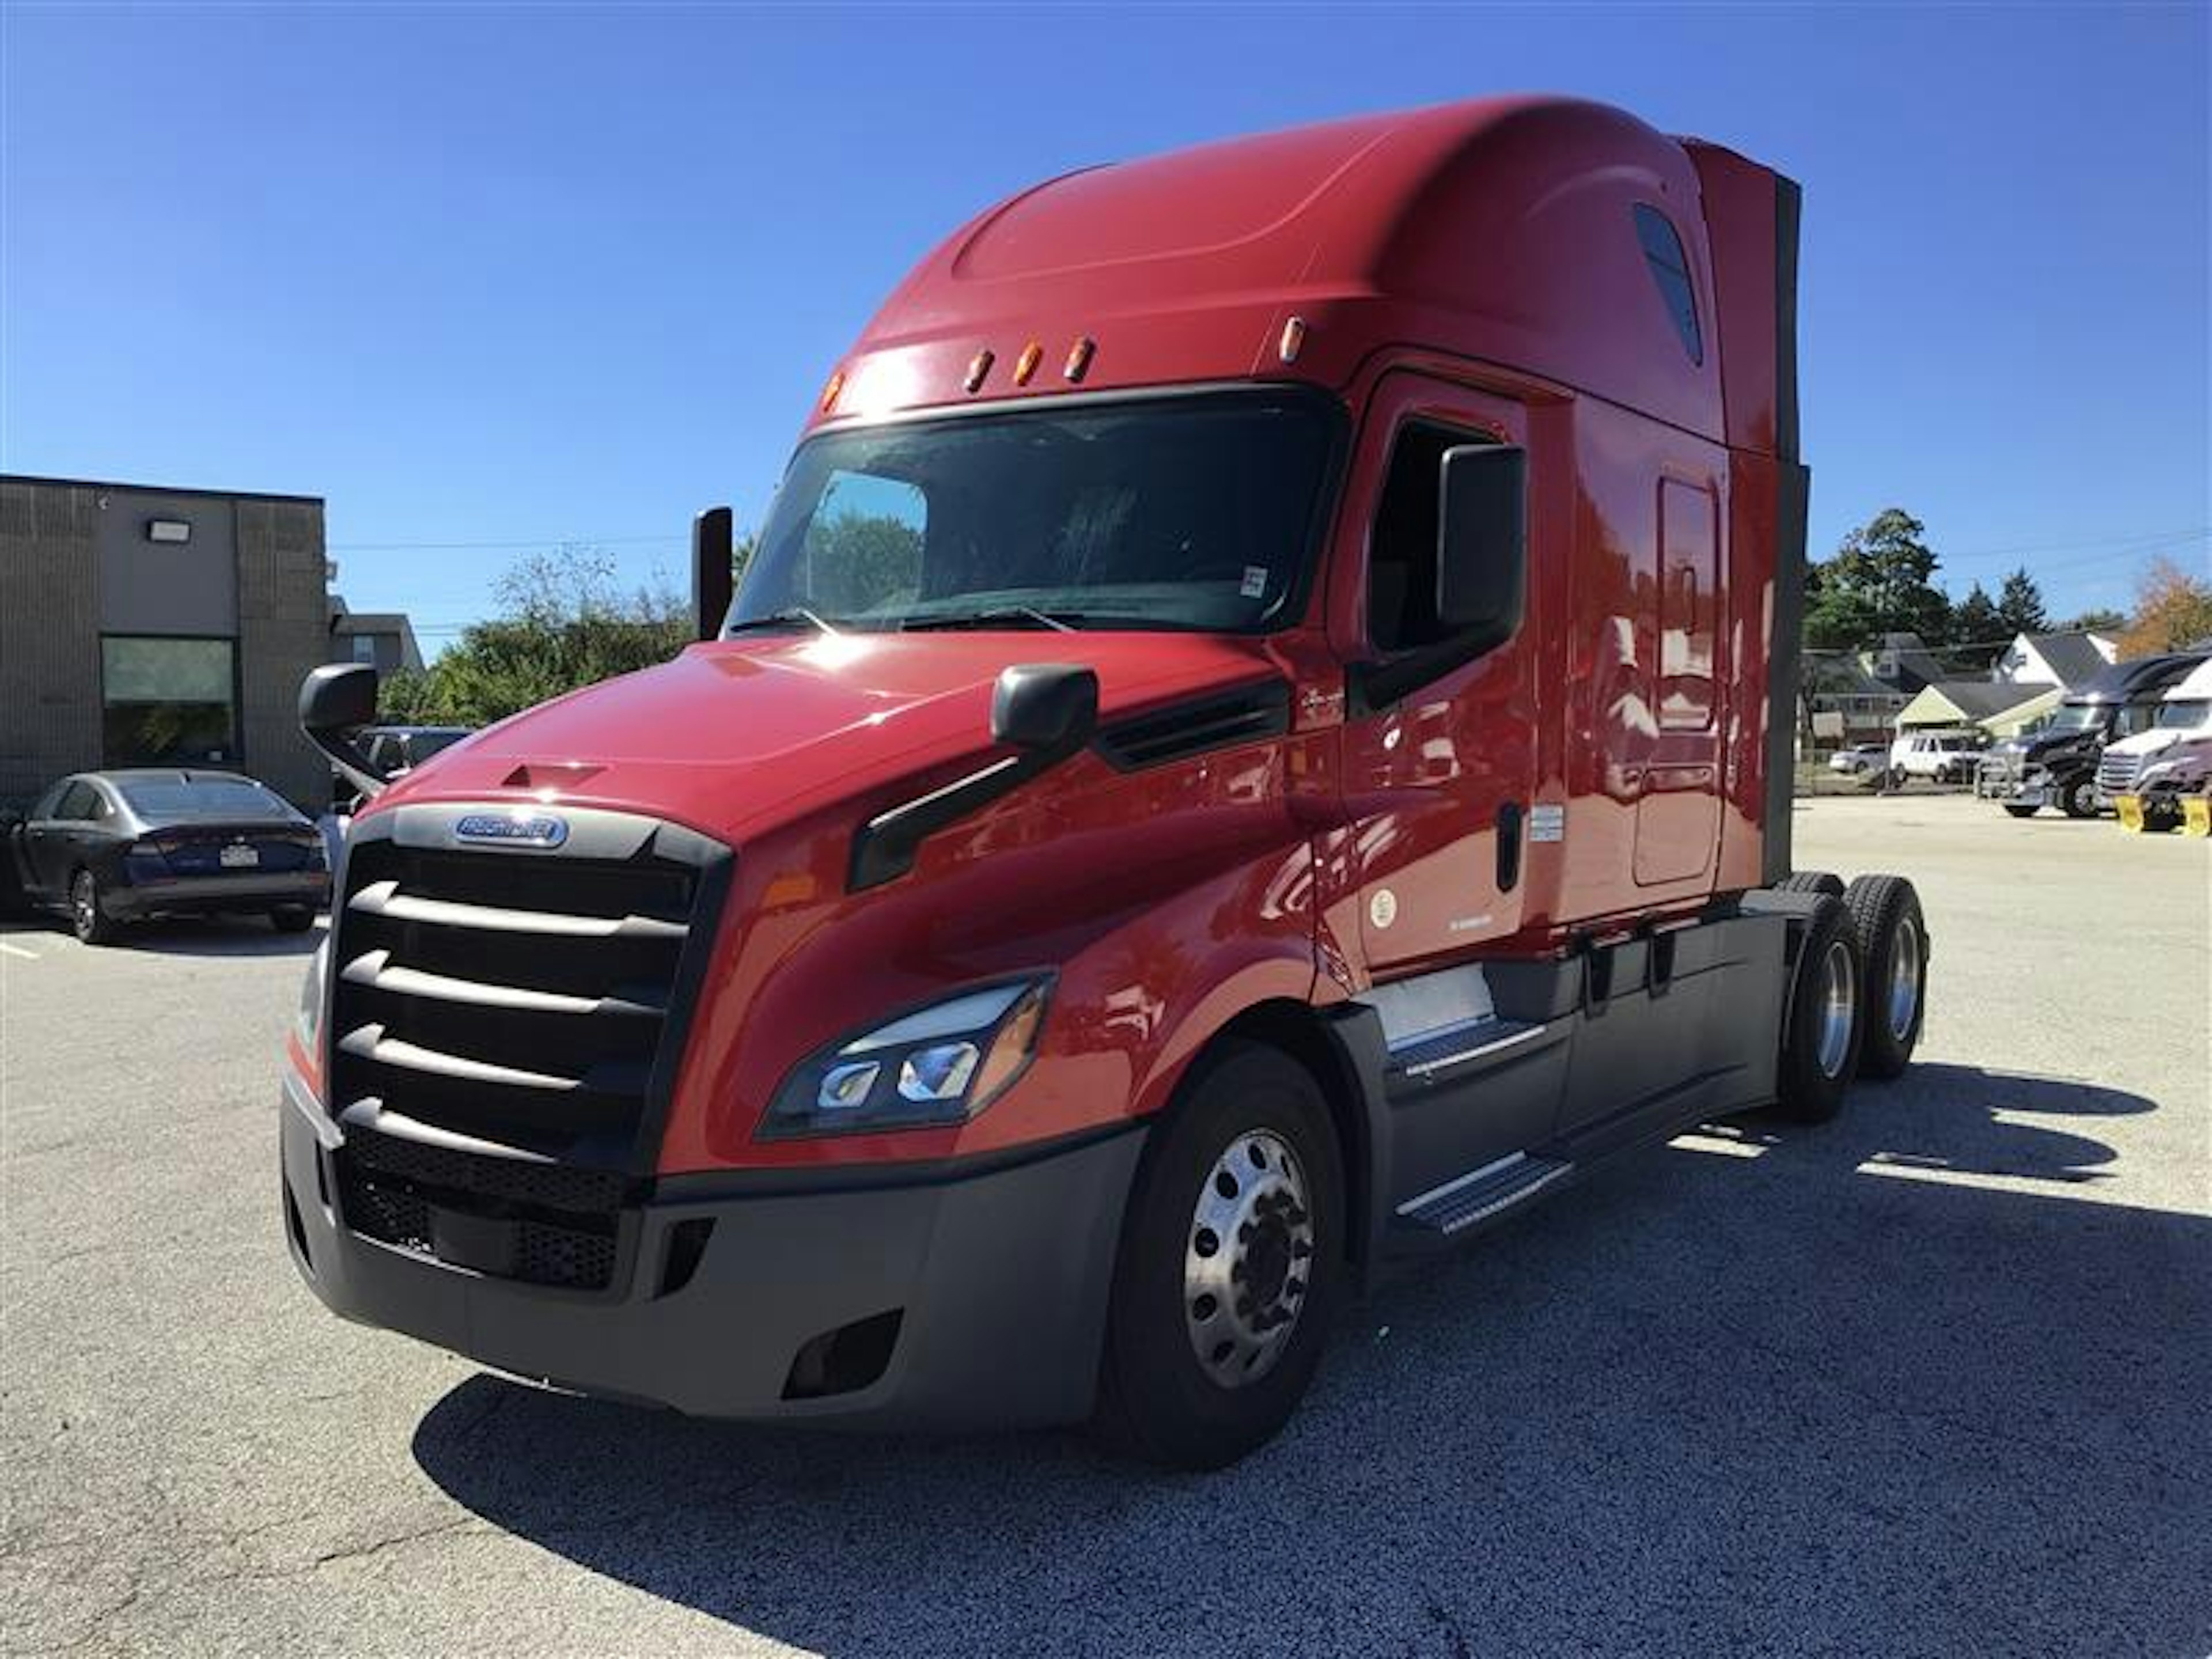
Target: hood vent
1216, 721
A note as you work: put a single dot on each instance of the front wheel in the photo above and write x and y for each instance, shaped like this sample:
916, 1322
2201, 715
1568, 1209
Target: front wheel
1232, 1258
2078, 799
88, 917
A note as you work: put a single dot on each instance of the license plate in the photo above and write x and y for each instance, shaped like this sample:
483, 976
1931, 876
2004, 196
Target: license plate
240, 858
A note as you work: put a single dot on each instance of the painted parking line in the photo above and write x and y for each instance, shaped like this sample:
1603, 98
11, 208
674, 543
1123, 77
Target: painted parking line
17, 951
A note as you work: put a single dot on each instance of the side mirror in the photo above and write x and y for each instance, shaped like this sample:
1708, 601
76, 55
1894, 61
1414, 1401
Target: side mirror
712, 545
1050, 710
1482, 543
336, 701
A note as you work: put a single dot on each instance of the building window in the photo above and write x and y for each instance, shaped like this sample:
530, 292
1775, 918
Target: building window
364, 648
168, 701
1670, 270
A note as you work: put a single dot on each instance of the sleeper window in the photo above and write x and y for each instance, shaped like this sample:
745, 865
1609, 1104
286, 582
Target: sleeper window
1670, 270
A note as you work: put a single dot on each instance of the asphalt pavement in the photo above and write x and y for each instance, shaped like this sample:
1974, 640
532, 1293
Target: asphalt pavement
1931, 1379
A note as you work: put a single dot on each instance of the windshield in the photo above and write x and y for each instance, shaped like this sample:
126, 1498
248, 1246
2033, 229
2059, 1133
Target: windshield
2190, 711
2073, 717
1186, 513
203, 798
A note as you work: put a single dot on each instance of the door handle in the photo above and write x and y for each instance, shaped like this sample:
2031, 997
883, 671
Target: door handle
1509, 844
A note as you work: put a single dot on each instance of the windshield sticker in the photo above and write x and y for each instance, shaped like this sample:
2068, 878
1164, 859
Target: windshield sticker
1256, 581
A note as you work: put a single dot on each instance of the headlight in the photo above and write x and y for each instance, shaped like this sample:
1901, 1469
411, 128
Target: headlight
942, 1064
308, 1022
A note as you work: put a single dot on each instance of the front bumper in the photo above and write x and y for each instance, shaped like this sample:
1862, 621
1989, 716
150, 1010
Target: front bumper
999, 1279
210, 895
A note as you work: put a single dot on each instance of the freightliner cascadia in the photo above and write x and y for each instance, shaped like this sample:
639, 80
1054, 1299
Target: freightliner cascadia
1255, 740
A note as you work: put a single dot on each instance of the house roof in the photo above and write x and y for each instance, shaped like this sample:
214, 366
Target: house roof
1967, 700
2073, 657
1915, 666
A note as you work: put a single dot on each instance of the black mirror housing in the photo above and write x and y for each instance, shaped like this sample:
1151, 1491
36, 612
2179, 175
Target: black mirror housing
336, 701
1482, 543
1047, 708
713, 545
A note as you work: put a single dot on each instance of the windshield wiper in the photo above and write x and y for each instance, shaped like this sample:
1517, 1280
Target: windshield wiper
790, 615
1061, 622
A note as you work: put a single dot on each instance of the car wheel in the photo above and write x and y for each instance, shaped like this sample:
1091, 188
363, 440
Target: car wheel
88, 919
2079, 799
1232, 1259
1821, 1037
292, 919
2019, 809
1893, 943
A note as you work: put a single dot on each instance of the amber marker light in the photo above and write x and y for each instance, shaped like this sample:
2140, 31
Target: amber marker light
1293, 340
978, 367
1079, 357
1026, 364
829, 392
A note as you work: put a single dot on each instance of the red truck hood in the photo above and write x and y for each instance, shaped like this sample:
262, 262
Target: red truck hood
736, 735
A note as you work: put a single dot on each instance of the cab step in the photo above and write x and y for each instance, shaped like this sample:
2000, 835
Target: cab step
1476, 1196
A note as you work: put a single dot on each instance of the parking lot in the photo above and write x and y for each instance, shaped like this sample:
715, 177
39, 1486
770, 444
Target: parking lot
1931, 1379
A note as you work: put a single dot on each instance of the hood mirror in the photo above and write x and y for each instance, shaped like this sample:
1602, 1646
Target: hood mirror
1049, 709
713, 546
336, 701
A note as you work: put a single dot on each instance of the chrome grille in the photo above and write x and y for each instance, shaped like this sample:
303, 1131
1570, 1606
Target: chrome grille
505, 1024
2116, 774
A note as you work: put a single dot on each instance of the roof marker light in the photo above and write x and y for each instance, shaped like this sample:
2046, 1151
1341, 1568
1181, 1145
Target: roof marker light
1025, 365
829, 392
978, 367
1078, 358
1294, 337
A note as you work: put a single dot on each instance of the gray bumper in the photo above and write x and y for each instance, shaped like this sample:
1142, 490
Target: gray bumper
204, 895
1000, 1279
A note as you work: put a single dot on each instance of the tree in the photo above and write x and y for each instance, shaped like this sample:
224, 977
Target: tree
564, 626
1881, 582
1978, 630
2096, 620
2020, 603
2173, 608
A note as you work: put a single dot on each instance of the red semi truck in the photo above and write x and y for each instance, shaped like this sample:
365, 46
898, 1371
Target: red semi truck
1255, 740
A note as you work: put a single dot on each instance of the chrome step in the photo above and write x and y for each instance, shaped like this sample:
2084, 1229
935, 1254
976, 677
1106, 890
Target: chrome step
1480, 1193
1461, 1043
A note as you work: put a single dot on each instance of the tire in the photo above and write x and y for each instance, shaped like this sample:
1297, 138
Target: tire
292, 919
88, 919
1811, 881
1818, 1061
2078, 799
1158, 1400
1893, 941
2019, 811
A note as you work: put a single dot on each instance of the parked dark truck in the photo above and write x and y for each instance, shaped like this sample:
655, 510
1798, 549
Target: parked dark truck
1255, 741
2056, 764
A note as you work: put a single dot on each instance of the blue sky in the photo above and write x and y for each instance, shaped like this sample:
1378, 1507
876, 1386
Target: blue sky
520, 276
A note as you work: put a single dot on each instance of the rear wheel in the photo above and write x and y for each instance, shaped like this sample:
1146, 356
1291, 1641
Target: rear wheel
292, 919
1893, 943
89, 918
1231, 1260
1820, 1039
1811, 881
2078, 799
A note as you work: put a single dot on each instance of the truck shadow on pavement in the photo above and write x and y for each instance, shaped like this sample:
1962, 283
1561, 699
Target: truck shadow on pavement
1910, 1383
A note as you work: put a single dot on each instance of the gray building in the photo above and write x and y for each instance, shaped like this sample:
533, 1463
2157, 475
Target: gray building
383, 639
145, 626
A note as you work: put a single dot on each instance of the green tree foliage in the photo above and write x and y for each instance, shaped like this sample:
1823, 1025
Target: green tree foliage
1881, 580
1978, 630
2020, 602
563, 625
2098, 620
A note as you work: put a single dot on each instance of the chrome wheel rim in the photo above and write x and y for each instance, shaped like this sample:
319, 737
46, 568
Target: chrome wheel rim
1839, 996
1244, 1272
1904, 978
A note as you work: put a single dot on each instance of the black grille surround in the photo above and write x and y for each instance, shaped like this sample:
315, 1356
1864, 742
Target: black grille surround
505, 1025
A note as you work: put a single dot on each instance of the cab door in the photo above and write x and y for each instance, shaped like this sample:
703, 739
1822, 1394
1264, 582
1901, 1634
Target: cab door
1436, 774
